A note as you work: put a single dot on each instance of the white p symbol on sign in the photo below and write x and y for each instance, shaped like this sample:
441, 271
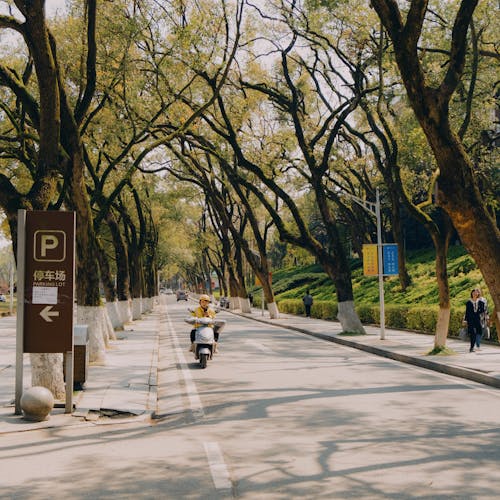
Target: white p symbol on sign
48, 242
50, 246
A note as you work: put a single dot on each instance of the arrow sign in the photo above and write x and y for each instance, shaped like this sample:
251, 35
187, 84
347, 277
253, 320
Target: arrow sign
47, 312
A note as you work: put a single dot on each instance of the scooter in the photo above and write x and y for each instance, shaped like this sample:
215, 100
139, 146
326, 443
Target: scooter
204, 340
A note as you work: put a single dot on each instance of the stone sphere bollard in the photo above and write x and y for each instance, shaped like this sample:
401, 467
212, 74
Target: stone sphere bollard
37, 403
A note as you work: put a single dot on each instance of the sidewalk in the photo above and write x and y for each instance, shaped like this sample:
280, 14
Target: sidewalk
124, 388
140, 379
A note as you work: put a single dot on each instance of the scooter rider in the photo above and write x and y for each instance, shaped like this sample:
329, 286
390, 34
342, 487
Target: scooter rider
203, 311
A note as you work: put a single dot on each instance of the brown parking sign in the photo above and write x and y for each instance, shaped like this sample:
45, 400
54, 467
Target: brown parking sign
49, 278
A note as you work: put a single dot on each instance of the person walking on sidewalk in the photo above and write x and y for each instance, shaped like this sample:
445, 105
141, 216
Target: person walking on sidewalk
308, 302
474, 310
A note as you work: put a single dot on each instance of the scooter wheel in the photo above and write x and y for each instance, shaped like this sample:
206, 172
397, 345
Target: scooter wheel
203, 360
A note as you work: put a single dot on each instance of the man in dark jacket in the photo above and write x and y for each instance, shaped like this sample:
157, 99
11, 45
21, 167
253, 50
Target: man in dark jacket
308, 302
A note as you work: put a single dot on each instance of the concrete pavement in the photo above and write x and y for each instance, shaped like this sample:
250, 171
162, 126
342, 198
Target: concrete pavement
481, 366
140, 379
124, 388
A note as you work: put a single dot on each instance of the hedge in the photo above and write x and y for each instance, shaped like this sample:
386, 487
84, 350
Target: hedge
418, 318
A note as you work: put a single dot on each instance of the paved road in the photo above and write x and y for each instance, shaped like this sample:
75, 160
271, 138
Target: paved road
277, 415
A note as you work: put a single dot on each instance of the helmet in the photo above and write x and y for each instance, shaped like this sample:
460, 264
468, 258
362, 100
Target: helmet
204, 297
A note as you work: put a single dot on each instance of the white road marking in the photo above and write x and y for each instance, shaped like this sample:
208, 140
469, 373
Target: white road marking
192, 393
258, 345
218, 469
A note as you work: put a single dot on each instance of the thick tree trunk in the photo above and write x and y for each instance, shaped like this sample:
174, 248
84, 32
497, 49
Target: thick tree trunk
272, 307
442, 326
339, 271
95, 318
340, 274
87, 262
47, 371
135, 282
273, 310
335, 263
106, 278
404, 277
459, 196
245, 305
234, 302
109, 292
121, 256
125, 311
458, 192
46, 368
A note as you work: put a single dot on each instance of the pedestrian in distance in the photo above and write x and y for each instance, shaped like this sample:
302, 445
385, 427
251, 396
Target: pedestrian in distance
474, 309
308, 302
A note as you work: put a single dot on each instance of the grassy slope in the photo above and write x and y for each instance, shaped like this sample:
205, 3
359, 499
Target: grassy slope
291, 283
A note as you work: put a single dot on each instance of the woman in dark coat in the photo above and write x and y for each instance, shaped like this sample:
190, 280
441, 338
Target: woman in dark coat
474, 310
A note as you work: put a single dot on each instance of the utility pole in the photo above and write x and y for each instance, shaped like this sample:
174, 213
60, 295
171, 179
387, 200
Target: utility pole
374, 209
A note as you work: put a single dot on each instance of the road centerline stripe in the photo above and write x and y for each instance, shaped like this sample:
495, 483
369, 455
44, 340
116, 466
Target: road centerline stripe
192, 393
218, 468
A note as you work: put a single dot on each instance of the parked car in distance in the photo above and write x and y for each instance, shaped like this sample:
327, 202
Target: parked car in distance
181, 295
166, 291
2, 298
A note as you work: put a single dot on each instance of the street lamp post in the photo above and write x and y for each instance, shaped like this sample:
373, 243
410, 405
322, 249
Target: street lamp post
374, 209
380, 266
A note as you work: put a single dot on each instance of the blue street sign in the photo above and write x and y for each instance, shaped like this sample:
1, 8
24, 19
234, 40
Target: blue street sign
390, 257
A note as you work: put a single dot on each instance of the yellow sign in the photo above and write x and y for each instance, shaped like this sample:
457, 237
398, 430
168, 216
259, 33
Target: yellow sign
370, 260
258, 282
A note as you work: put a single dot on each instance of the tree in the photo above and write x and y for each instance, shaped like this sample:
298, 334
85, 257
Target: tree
305, 102
457, 187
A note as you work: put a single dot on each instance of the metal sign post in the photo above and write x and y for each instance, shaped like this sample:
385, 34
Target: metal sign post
374, 209
21, 247
380, 266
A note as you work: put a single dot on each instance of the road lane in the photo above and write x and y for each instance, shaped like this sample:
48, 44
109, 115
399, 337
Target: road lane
283, 416
297, 416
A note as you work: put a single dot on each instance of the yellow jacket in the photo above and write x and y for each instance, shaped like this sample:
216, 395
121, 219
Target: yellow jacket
200, 313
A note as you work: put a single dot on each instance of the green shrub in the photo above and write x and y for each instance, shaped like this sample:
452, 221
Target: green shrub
321, 309
368, 314
291, 306
324, 309
396, 316
456, 317
423, 319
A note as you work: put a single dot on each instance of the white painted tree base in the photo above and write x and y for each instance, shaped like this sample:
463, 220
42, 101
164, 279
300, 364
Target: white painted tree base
125, 311
273, 310
245, 305
95, 318
234, 303
47, 371
442, 325
147, 304
109, 330
348, 317
136, 308
114, 315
